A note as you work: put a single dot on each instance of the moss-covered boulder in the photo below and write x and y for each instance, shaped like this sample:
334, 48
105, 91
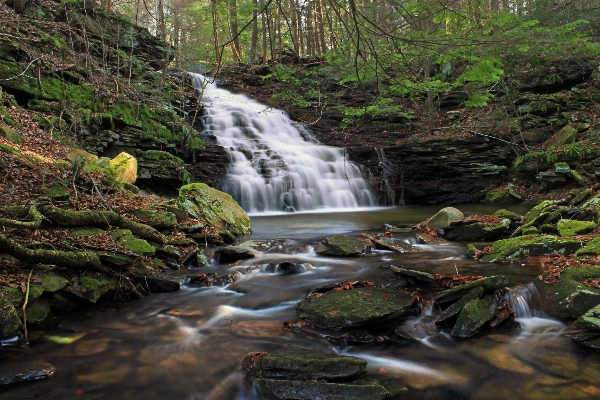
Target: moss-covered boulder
217, 208
473, 317
37, 311
590, 320
569, 298
489, 284
498, 197
506, 214
304, 365
10, 322
125, 238
592, 248
300, 390
530, 245
355, 307
343, 245
92, 287
156, 219
10, 134
124, 168
445, 218
227, 255
571, 227
42, 281
566, 135
453, 310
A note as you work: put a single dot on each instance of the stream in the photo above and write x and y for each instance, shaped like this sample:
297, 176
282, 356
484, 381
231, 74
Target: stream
189, 344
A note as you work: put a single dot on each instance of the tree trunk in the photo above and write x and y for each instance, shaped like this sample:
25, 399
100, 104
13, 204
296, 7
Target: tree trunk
233, 28
254, 40
320, 27
160, 20
264, 31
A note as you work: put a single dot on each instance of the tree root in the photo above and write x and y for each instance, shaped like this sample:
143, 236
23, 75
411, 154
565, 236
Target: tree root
33, 224
67, 259
64, 217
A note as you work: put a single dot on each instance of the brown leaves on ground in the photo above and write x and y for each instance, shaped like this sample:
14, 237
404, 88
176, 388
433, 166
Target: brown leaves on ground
488, 219
456, 280
591, 282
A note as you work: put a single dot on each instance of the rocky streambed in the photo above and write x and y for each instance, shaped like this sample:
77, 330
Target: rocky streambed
293, 321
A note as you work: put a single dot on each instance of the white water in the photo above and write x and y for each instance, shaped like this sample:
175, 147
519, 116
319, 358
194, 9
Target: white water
276, 163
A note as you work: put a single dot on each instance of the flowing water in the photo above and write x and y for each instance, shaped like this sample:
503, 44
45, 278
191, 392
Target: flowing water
276, 163
189, 344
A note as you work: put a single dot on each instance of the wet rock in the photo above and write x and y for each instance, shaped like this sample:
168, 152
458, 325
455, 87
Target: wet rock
343, 245
393, 244
413, 275
284, 267
590, 320
355, 307
300, 390
479, 231
37, 311
506, 214
585, 338
425, 238
473, 317
13, 372
569, 297
46, 281
304, 365
216, 207
212, 278
256, 245
530, 245
155, 284
416, 329
445, 218
569, 227
92, 287
453, 310
228, 255
489, 284
10, 322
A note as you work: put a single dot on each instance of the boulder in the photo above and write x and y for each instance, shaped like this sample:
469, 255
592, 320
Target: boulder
124, 168
228, 255
10, 321
473, 317
304, 365
571, 227
479, 231
569, 297
301, 390
592, 248
156, 219
355, 307
506, 214
445, 218
343, 245
393, 244
217, 208
92, 287
566, 135
530, 245
590, 320
125, 238
489, 284
449, 313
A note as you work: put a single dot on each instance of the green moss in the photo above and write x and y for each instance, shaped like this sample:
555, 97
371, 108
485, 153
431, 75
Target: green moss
6, 148
11, 135
37, 311
138, 246
86, 232
95, 283
56, 191
496, 197
591, 249
568, 227
530, 245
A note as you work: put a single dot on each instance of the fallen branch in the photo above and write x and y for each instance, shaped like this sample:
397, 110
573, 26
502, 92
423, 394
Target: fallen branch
25, 305
33, 224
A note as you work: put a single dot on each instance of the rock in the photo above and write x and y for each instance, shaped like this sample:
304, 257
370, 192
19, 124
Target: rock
10, 134
479, 231
590, 320
217, 208
570, 227
425, 238
498, 197
37, 311
50, 282
566, 135
10, 321
343, 245
124, 168
125, 238
161, 169
415, 275
393, 244
449, 313
13, 372
512, 191
473, 317
491, 283
304, 365
92, 287
156, 219
74, 153
562, 168
285, 267
356, 307
592, 248
551, 179
579, 178
301, 390
530, 245
506, 214
228, 255
155, 284
444, 218
580, 197
569, 298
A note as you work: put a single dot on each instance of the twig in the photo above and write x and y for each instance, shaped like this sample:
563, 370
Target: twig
22, 73
25, 304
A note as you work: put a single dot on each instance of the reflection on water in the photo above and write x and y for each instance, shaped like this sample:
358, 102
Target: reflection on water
189, 345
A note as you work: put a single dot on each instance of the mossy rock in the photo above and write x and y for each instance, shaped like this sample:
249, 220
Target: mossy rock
569, 298
37, 311
489, 284
156, 219
590, 320
342, 245
75, 153
592, 248
218, 208
94, 287
530, 245
473, 317
506, 214
56, 191
10, 321
125, 238
286, 389
571, 227
479, 231
356, 307
579, 178
498, 197
453, 310
50, 282
11, 135
562, 168
91, 231
124, 168
567, 135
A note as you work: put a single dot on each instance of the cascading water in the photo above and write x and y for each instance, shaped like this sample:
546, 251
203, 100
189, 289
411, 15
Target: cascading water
276, 163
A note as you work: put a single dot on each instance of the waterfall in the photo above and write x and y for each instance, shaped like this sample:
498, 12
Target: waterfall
276, 163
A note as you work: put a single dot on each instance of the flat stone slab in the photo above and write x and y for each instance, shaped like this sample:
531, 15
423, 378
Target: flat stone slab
227, 255
304, 365
13, 372
343, 245
416, 275
302, 390
393, 244
455, 309
355, 307
490, 283
473, 317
